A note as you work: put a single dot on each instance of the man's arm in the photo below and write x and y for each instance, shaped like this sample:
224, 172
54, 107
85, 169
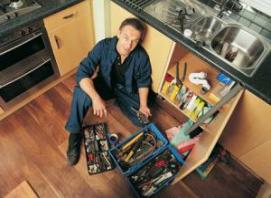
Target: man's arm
86, 73
98, 104
88, 65
143, 99
143, 83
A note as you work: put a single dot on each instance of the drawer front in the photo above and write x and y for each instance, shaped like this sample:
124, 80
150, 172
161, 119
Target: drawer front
78, 11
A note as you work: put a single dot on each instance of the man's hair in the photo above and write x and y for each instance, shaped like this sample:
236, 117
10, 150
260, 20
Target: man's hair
135, 23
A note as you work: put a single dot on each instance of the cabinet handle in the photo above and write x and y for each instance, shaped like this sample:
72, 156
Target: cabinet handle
69, 16
57, 40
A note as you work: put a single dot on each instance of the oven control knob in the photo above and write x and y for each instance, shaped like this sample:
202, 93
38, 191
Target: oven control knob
23, 32
30, 29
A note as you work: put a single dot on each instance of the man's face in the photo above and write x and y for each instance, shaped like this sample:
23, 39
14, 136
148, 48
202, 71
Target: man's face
128, 37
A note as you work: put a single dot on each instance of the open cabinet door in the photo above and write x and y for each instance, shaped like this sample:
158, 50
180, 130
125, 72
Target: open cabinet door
208, 139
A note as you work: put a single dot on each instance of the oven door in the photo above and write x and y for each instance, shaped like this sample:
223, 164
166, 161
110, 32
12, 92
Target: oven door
26, 65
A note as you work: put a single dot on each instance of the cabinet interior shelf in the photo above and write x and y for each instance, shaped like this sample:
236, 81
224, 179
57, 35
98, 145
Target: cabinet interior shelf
195, 65
177, 107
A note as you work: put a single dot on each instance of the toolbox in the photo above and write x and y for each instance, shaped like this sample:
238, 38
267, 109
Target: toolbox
140, 146
156, 170
97, 148
156, 173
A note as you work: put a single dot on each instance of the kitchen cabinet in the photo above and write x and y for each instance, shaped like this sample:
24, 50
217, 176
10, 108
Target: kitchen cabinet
212, 131
156, 44
248, 135
71, 35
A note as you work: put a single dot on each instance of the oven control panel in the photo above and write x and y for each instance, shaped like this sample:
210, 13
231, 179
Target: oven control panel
19, 33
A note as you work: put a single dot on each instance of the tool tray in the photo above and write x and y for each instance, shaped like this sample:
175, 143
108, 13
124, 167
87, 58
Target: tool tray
156, 173
97, 148
139, 147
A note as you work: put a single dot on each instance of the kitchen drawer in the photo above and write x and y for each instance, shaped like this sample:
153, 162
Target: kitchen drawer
78, 11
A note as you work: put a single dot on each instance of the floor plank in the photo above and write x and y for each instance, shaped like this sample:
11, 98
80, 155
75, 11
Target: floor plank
23, 190
33, 145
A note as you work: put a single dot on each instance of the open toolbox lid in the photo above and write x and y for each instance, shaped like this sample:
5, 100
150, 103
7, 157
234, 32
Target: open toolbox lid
97, 148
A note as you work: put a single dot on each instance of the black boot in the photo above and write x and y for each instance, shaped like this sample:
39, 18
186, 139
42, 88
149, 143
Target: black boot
73, 152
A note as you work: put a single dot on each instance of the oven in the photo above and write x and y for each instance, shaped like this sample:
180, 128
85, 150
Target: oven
26, 63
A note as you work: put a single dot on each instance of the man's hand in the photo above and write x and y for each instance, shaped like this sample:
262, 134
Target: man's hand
145, 110
99, 108
143, 97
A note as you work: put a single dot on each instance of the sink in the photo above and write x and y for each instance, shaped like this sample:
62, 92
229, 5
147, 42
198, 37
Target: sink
206, 28
242, 49
231, 42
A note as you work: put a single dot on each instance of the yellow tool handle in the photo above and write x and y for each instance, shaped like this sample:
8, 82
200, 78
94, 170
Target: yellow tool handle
131, 141
129, 156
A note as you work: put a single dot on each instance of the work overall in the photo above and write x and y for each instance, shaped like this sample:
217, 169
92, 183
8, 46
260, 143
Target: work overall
137, 75
82, 102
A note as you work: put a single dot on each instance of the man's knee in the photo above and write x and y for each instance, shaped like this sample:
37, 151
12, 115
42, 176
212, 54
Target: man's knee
81, 98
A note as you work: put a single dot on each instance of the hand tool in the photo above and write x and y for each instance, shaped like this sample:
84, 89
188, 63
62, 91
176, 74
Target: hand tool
132, 141
141, 116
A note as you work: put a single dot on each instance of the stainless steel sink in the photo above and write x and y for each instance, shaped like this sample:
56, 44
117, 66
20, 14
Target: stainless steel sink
235, 44
243, 50
206, 28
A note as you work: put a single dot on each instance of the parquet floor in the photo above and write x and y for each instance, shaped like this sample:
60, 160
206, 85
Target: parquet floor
33, 146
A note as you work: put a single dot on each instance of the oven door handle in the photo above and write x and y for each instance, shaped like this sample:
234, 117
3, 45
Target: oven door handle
26, 73
21, 42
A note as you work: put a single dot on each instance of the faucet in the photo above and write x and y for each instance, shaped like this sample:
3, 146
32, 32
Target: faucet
183, 14
222, 9
181, 17
232, 5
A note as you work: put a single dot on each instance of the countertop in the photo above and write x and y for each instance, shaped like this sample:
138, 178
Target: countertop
259, 83
48, 7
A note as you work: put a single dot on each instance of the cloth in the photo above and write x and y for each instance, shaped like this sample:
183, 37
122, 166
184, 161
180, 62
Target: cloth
81, 103
104, 54
136, 75
118, 71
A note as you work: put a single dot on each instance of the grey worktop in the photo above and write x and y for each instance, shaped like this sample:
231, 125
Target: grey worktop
48, 7
259, 84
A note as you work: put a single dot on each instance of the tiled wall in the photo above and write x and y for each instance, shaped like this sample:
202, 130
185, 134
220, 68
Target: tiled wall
255, 20
248, 16
262, 5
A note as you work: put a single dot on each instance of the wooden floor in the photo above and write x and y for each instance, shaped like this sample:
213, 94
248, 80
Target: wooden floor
33, 146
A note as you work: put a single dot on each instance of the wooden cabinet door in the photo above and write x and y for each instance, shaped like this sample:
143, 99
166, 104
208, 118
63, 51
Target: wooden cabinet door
156, 44
249, 127
158, 47
71, 35
248, 135
71, 43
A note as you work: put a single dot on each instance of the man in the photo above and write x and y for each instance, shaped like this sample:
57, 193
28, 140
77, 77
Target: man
116, 67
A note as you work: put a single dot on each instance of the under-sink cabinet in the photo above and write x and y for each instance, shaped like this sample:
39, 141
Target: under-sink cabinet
212, 131
71, 35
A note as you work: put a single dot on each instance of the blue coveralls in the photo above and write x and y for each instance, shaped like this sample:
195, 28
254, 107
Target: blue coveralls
137, 75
